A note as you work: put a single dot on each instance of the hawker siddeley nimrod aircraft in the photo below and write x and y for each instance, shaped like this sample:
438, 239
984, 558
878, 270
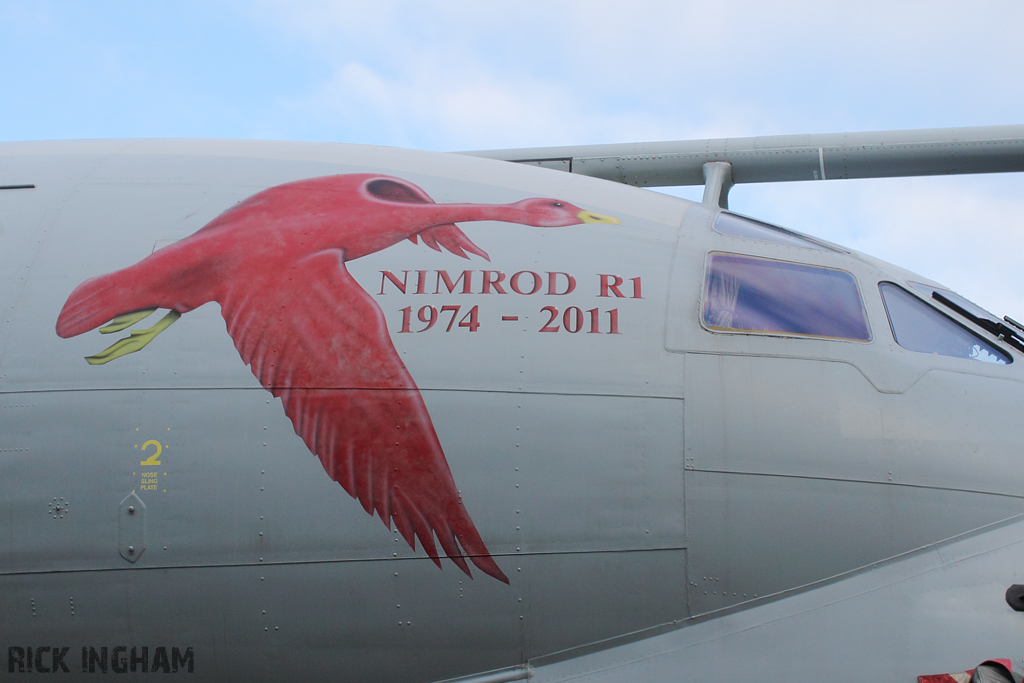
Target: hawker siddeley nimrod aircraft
611, 434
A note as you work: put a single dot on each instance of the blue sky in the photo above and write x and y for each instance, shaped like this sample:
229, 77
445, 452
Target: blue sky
465, 75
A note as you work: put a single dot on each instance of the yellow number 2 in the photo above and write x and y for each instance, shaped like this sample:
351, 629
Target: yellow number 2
153, 459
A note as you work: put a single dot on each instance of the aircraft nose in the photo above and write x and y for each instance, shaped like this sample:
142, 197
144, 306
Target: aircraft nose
592, 217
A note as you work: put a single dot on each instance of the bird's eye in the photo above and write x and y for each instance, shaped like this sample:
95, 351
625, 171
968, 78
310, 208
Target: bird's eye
558, 203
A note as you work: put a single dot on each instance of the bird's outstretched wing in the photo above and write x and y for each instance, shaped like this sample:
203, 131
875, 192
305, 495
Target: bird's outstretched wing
451, 238
315, 339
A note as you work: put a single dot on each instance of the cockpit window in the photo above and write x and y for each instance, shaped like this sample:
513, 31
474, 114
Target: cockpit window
920, 327
749, 294
738, 226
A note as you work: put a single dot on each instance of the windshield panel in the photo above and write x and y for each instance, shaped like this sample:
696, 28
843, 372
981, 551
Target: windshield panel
750, 294
920, 327
738, 226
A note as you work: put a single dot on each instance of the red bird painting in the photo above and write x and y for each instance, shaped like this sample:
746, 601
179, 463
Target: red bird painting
314, 338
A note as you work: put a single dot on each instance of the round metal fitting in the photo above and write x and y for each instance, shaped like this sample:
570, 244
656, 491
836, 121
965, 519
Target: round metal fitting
1015, 597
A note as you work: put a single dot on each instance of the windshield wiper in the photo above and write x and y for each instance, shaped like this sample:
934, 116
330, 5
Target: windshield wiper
995, 328
1013, 322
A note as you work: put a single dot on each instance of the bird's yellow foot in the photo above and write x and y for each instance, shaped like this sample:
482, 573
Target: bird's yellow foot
127, 320
136, 341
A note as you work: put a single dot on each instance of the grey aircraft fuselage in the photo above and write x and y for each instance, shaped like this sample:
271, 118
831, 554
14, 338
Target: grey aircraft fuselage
636, 473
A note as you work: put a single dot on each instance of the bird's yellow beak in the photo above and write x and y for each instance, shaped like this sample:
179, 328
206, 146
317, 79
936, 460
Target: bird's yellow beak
591, 217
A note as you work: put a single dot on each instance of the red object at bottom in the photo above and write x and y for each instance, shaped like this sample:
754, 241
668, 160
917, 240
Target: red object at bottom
959, 677
962, 676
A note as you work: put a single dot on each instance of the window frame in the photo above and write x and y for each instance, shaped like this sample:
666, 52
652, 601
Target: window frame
815, 244
783, 335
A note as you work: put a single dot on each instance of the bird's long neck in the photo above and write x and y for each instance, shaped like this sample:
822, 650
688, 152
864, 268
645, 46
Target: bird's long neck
407, 221
461, 213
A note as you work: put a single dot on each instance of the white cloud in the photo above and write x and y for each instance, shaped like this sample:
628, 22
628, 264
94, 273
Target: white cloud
572, 71
444, 97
